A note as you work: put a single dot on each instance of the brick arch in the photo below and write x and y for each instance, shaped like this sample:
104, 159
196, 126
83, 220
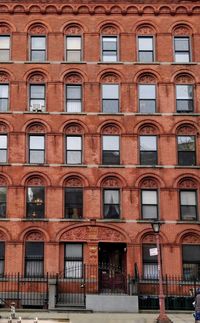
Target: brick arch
132, 10
4, 8
5, 126
77, 127
148, 128
111, 123
188, 236
148, 236
99, 9
83, 9
94, 232
6, 27
5, 180
108, 27
149, 181
5, 76
37, 77
146, 78
4, 234
181, 10
19, 9
76, 74
41, 26
186, 128
73, 28
73, 78
164, 10
34, 234
38, 178
66, 9
147, 25
183, 77
181, 28
37, 123
110, 77
34, 9
186, 180
111, 129
115, 9
51, 9
111, 180
75, 178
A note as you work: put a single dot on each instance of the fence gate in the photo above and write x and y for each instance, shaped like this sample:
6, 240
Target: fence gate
70, 287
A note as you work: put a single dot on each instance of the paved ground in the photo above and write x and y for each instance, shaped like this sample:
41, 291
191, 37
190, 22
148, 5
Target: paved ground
55, 317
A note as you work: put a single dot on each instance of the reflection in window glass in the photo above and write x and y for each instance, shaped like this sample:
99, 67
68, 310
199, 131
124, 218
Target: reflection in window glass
73, 98
149, 204
73, 260
74, 149
35, 202
3, 148
109, 49
148, 150
36, 149
111, 204
182, 49
73, 203
110, 98
184, 98
37, 97
186, 150
38, 48
4, 89
188, 205
73, 48
111, 154
3, 194
4, 48
145, 49
147, 98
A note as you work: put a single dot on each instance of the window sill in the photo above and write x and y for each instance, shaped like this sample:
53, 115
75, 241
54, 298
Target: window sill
6, 62
111, 166
65, 62
187, 166
36, 164
35, 112
184, 63
73, 220
74, 165
188, 222
146, 63
73, 113
35, 220
110, 114
112, 220
111, 63
39, 62
149, 221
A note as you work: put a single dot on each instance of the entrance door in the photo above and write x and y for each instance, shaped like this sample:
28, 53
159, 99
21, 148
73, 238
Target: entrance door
112, 268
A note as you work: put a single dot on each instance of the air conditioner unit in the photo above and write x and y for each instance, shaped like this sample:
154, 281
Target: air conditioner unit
37, 107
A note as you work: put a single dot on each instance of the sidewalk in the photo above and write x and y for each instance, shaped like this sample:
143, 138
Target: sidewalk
56, 317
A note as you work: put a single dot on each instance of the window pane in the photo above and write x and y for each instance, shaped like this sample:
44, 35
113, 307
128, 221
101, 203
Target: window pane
111, 211
147, 91
73, 143
34, 249
149, 197
191, 271
37, 91
74, 157
74, 195
3, 91
186, 158
111, 196
188, 212
73, 269
73, 56
36, 157
73, 250
181, 44
147, 106
110, 106
148, 158
74, 43
4, 54
110, 142
4, 42
34, 268
38, 43
188, 198
146, 253
38, 55
73, 106
184, 91
111, 157
110, 43
3, 141
148, 143
35, 195
150, 271
73, 92
149, 212
191, 253
3, 191
182, 57
184, 105
145, 43
146, 57
110, 91
37, 142
186, 143
109, 57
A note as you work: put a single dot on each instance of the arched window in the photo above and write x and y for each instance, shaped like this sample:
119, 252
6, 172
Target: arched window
37, 93
3, 197
182, 44
35, 198
73, 198
110, 43
148, 141
5, 45
111, 198
73, 93
188, 196
38, 46
74, 144
110, 93
149, 262
149, 199
146, 44
36, 144
147, 93
74, 43
4, 91
184, 93
34, 254
186, 142
110, 145
190, 256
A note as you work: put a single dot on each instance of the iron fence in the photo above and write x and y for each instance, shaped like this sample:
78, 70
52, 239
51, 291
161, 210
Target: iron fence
179, 292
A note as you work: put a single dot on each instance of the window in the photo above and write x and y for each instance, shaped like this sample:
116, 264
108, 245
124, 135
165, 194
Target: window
73, 203
73, 48
110, 98
2, 258
73, 260
147, 98
109, 49
184, 98
73, 98
191, 261
38, 48
182, 49
4, 95
3, 148
111, 208
188, 204
149, 204
35, 202
111, 154
36, 149
4, 48
150, 263
34, 259
37, 97
148, 150
145, 49
3, 194
74, 150
186, 150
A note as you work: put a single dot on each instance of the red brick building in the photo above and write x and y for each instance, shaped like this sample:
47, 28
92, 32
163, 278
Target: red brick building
99, 122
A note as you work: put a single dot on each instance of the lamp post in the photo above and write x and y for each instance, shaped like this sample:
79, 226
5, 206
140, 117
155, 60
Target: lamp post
162, 318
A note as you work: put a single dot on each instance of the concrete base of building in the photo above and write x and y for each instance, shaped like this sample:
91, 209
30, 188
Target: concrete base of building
112, 303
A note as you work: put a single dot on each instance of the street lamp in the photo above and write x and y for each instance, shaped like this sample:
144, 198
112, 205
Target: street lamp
162, 318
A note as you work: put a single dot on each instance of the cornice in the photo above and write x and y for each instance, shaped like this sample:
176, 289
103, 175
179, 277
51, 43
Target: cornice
160, 2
